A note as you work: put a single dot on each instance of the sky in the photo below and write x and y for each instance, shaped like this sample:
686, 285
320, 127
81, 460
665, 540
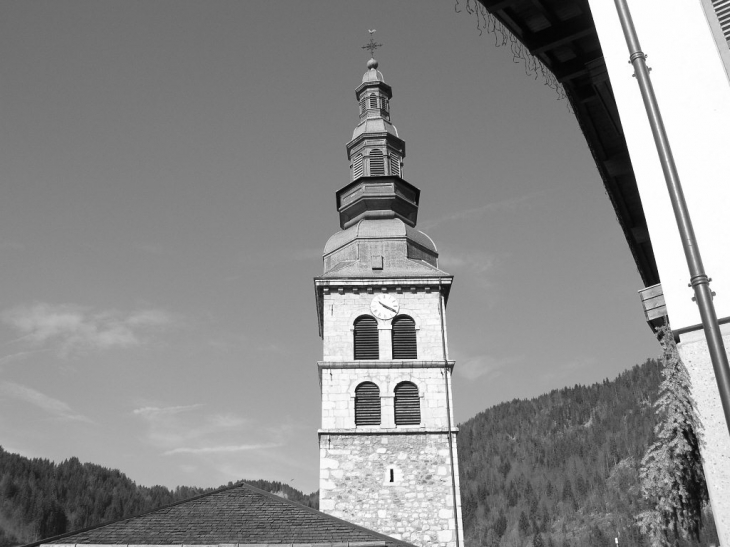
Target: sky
168, 171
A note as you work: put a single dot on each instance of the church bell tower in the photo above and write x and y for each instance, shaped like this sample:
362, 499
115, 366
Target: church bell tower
388, 442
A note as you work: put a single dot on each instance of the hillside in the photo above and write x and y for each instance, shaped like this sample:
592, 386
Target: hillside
561, 469
39, 498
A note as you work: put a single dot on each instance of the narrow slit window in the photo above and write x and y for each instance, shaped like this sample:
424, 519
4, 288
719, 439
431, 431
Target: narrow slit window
407, 404
367, 404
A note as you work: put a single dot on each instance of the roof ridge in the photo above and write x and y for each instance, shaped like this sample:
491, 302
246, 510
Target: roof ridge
239, 485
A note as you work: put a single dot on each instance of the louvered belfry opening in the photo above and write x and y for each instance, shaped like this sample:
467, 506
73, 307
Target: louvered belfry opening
366, 338
357, 167
377, 163
404, 338
722, 8
407, 404
367, 404
394, 165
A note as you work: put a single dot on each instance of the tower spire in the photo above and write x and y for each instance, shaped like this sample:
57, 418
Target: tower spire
376, 155
375, 150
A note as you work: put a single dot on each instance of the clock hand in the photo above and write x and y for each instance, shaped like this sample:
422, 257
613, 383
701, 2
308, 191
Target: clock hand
388, 307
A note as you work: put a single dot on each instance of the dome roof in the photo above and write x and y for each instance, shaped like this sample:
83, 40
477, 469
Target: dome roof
373, 75
392, 228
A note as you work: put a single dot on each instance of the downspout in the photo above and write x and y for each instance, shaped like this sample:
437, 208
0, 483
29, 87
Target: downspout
698, 278
448, 416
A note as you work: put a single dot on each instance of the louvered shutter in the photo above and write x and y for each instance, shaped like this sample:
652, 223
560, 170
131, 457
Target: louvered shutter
357, 167
373, 101
366, 338
404, 338
395, 163
722, 9
363, 105
407, 404
377, 163
367, 404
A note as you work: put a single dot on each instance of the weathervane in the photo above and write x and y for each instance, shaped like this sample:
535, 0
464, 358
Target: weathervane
372, 45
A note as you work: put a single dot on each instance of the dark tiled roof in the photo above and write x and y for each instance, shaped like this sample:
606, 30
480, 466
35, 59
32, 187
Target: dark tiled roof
238, 514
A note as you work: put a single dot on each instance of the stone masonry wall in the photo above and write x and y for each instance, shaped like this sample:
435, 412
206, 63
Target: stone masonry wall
714, 440
399, 485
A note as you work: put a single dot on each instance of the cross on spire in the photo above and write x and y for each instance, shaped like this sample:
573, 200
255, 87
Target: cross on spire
372, 45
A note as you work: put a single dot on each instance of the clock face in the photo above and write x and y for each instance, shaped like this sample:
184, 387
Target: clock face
384, 306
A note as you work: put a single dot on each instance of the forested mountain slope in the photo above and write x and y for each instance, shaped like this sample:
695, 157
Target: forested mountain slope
561, 469
39, 498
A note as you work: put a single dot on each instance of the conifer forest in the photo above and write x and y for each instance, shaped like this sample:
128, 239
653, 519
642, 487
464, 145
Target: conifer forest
561, 470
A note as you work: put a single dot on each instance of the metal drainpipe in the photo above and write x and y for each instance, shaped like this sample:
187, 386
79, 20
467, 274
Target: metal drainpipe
698, 279
448, 416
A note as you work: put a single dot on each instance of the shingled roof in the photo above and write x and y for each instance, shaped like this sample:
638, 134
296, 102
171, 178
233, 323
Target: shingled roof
239, 514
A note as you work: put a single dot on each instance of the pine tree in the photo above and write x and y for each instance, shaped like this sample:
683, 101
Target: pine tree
672, 479
524, 524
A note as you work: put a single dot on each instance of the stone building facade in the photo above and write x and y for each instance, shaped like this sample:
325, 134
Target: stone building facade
387, 443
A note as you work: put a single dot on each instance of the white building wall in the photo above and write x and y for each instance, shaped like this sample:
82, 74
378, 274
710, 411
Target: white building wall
692, 88
693, 92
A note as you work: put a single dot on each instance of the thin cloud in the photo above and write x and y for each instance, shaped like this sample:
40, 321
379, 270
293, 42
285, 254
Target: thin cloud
227, 449
55, 407
151, 411
476, 264
568, 369
172, 426
74, 329
477, 212
193, 434
484, 365
19, 356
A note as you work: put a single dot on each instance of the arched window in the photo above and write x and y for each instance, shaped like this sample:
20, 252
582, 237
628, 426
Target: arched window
366, 338
377, 163
404, 338
367, 404
407, 404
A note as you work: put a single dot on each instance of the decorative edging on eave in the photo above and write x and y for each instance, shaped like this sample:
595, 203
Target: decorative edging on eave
322, 365
404, 281
365, 430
